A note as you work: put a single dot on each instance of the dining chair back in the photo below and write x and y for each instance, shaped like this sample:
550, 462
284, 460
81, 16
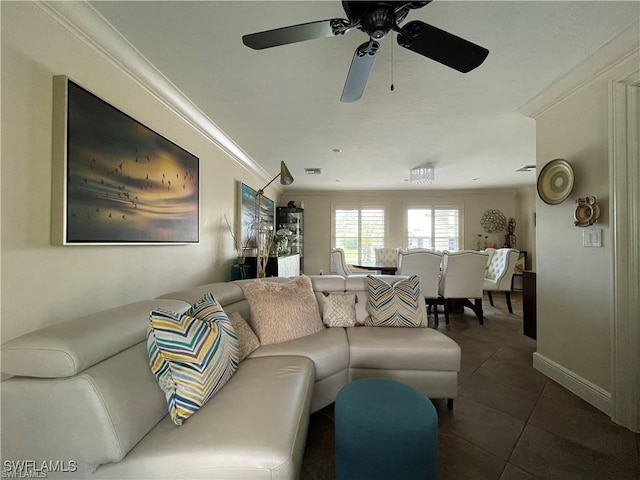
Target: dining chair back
386, 256
339, 262
426, 264
463, 278
499, 273
490, 251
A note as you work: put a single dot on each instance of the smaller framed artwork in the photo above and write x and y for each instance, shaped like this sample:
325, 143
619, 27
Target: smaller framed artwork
248, 215
116, 181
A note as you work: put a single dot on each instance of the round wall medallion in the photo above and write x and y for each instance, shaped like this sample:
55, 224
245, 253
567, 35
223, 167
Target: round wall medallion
555, 181
493, 221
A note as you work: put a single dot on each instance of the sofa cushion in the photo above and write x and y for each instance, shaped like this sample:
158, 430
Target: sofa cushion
339, 309
224, 292
396, 305
68, 348
192, 355
94, 417
254, 428
247, 340
328, 349
283, 311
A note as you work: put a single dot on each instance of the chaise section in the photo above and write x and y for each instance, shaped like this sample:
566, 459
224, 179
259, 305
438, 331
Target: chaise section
421, 357
254, 428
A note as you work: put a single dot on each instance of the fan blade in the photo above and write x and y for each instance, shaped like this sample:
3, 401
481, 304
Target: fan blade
293, 34
361, 65
441, 46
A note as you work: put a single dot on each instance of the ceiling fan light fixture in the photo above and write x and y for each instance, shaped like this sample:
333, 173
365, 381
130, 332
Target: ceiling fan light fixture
422, 175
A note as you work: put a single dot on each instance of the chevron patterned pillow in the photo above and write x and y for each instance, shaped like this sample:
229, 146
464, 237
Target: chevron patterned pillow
192, 355
396, 305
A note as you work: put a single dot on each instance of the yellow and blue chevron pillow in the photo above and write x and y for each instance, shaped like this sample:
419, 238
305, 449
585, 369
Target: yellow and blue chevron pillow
192, 355
396, 305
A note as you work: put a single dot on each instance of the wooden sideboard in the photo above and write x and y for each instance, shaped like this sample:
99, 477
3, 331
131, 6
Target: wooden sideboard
283, 266
529, 318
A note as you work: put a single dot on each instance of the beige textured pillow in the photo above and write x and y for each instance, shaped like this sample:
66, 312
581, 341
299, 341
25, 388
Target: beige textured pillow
339, 309
247, 340
283, 311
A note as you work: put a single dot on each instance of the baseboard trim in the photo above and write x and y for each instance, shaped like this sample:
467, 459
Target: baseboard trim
596, 396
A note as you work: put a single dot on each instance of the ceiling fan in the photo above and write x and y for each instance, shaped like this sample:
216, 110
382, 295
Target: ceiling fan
377, 19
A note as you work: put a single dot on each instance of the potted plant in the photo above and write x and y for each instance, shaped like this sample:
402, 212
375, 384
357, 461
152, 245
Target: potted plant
281, 242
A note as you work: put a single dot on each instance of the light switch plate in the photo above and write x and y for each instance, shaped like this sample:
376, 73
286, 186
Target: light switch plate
592, 237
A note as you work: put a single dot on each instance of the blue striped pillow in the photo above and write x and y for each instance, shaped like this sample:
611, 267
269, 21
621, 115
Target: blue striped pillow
396, 305
192, 355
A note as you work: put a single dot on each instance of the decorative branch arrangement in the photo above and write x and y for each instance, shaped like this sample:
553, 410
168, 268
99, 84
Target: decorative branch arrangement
263, 257
240, 247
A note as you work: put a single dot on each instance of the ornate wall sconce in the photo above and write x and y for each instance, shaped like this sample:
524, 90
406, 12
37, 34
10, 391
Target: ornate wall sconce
587, 212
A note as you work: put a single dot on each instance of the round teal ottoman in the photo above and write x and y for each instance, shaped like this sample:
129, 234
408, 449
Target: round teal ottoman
385, 430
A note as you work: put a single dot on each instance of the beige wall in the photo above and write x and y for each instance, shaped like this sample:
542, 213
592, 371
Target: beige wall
44, 284
526, 227
317, 205
575, 283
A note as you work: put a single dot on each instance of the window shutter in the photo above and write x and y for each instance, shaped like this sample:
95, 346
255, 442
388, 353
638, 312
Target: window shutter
346, 231
437, 228
358, 231
447, 229
371, 233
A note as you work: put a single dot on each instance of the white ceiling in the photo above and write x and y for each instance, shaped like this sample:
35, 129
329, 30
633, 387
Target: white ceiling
283, 103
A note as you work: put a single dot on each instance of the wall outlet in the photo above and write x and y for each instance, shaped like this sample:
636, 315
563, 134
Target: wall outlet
592, 237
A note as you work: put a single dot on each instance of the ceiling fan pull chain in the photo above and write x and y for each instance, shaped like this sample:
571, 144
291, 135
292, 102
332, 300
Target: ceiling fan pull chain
392, 87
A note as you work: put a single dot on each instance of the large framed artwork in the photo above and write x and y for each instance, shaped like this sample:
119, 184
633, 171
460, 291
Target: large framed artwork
248, 219
116, 181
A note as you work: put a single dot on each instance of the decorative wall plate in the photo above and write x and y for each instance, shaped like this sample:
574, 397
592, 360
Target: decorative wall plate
555, 181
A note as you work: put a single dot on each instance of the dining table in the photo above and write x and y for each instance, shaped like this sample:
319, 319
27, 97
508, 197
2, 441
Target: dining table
384, 269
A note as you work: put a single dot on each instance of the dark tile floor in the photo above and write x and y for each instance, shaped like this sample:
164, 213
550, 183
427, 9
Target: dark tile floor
509, 421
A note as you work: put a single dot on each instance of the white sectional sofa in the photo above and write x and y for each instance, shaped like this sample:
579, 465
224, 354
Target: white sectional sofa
82, 393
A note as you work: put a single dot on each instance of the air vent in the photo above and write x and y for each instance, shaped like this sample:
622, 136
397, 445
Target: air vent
527, 168
313, 171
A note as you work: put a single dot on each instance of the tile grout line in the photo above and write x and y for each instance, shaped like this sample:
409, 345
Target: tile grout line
506, 462
526, 423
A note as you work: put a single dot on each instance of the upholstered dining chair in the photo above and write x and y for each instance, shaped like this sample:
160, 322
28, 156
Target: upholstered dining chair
490, 251
337, 258
499, 273
386, 256
463, 278
426, 264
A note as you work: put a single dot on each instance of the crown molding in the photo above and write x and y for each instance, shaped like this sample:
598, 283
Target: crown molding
616, 51
88, 25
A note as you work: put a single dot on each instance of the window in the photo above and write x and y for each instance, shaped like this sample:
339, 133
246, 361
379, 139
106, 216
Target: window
437, 228
358, 231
